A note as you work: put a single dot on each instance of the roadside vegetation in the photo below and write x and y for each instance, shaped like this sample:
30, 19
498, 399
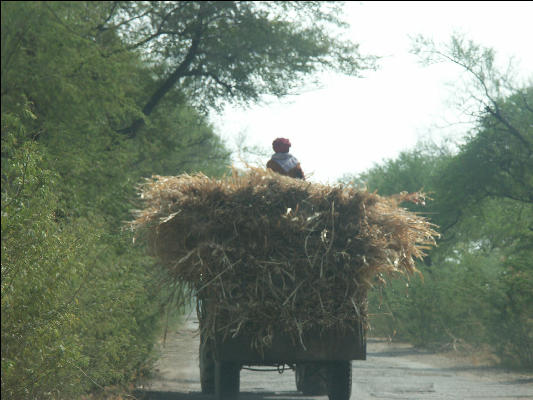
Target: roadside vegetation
477, 286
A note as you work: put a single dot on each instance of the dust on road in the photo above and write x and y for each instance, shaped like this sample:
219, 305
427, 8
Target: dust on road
391, 371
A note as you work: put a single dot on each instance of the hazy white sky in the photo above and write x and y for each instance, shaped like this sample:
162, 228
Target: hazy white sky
350, 124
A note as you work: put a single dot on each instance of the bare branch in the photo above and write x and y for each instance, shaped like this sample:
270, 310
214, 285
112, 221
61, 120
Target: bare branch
168, 84
101, 27
159, 30
494, 108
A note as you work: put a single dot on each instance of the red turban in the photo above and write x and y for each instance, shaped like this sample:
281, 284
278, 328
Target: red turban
281, 145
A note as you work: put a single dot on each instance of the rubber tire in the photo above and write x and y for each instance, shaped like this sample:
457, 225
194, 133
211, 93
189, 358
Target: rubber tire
227, 380
311, 379
339, 380
207, 367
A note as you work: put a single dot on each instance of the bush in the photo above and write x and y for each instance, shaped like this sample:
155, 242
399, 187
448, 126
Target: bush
478, 301
77, 306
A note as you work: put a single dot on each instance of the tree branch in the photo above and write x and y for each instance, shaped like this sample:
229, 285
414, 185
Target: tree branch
526, 104
494, 110
167, 85
101, 27
158, 32
198, 73
510, 128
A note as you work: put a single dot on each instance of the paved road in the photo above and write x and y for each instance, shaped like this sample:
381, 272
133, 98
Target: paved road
391, 371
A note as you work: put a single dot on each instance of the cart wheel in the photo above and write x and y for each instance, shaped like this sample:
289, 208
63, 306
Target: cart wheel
207, 367
339, 380
227, 380
311, 379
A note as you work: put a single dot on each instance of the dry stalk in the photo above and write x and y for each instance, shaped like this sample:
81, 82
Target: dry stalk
266, 253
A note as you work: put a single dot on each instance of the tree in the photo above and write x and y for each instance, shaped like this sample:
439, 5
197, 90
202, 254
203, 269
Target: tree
219, 51
497, 159
81, 89
79, 301
479, 288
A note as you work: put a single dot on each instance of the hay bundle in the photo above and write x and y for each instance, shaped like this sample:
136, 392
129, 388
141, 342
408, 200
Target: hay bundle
268, 253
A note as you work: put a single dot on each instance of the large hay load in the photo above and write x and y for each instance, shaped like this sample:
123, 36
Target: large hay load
271, 254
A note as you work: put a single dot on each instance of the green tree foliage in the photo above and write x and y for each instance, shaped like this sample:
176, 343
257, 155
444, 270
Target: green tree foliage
79, 302
497, 159
40, 263
75, 312
478, 284
82, 92
219, 51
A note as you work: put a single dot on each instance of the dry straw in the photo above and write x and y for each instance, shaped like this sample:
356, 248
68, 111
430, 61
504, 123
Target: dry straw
267, 253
